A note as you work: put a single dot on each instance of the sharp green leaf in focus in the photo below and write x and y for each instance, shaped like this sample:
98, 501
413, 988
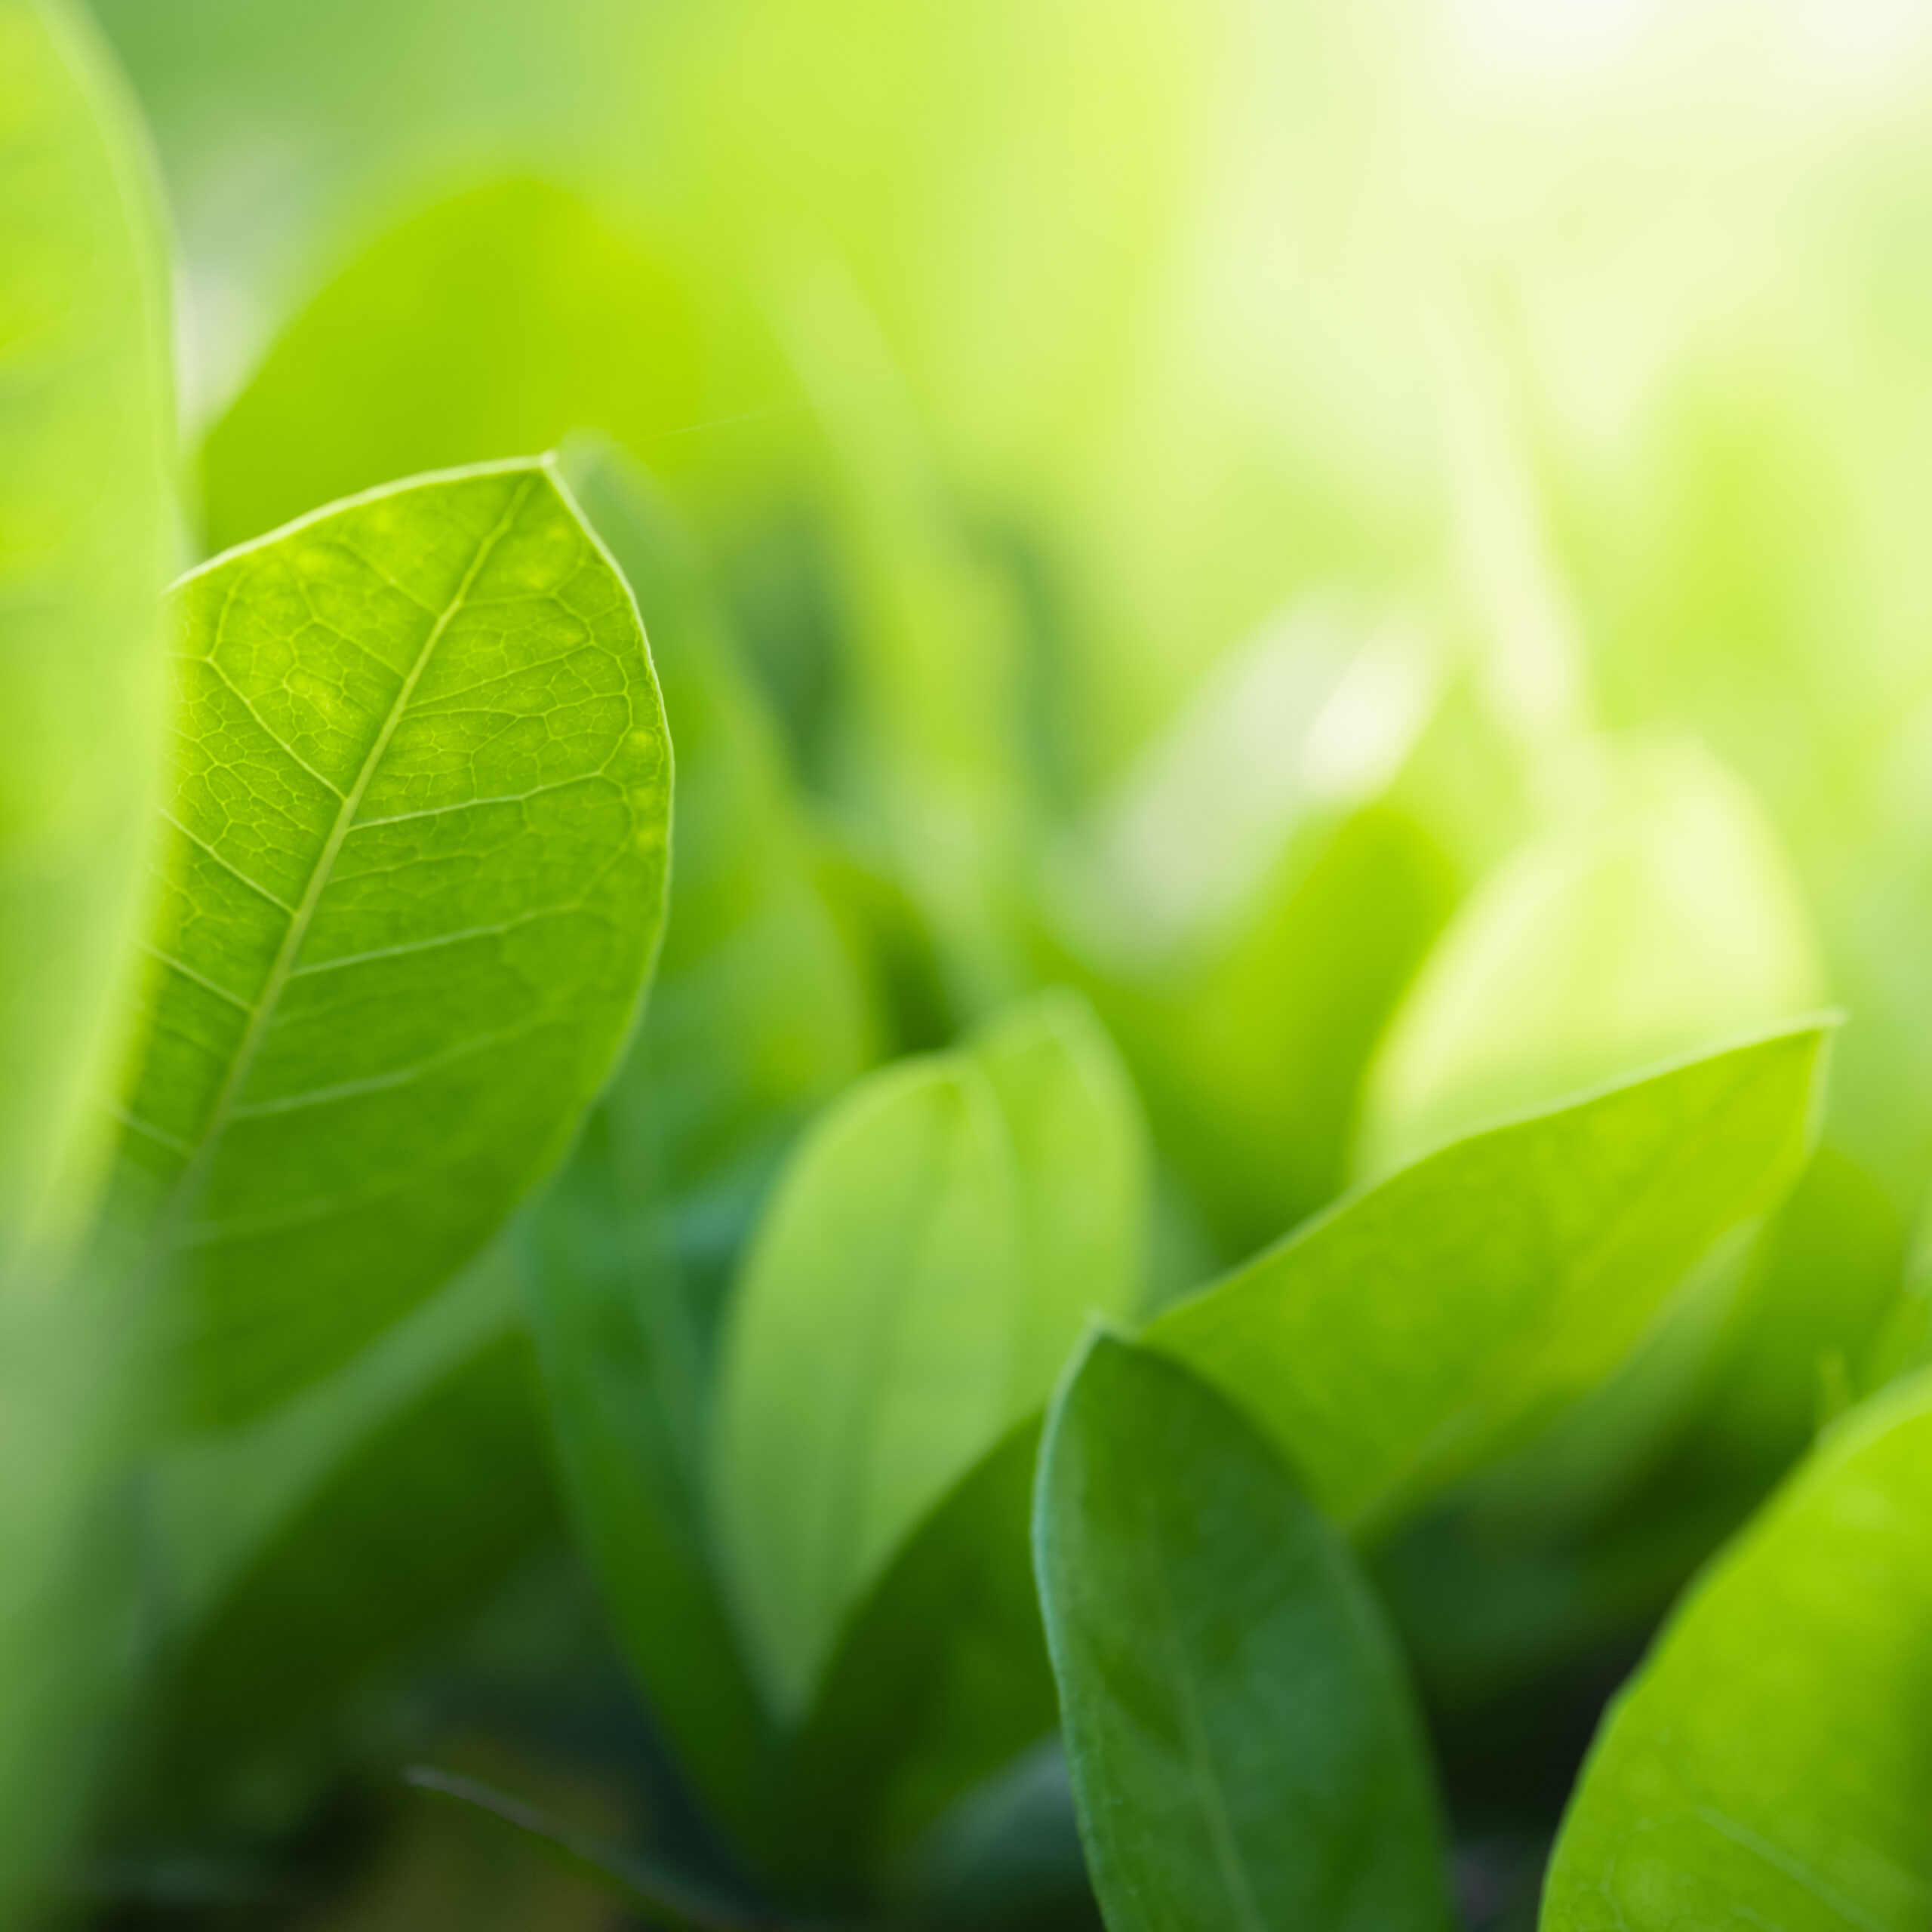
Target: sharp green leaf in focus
1768, 1765
1425, 1325
85, 505
930, 1257
412, 886
1244, 1749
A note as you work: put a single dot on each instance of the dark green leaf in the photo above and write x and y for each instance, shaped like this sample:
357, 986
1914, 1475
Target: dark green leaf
940, 1679
618, 1349
1244, 1746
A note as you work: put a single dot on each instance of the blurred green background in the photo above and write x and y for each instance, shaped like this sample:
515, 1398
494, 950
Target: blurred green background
1387, 543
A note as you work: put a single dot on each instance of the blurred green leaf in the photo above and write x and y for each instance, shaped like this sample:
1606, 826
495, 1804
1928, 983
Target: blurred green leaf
1253, 1062
84, 534
758, 1014
85, 426
1580, 1540
397, 1546
1660, 921
1244, 1746
897, 1313
491, 325
1693, 1806
939, 1678
660, 1897
618, 1345
220, 1497
1425, 1325
1247, 914
413, 887
759, 1011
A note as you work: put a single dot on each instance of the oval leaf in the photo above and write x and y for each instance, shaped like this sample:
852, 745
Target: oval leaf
1768, 1765
1245, 1749
414, 880
1424, 1326
933, 1252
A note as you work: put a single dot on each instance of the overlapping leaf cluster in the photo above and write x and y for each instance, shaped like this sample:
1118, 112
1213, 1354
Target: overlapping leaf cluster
943, 1135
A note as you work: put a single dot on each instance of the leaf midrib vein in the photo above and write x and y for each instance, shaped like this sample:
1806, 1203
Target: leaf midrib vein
194, 1173
1222, 1835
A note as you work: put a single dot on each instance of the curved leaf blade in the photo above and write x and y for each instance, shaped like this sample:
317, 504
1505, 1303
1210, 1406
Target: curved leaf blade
1768, 1764
1245, 1749
415, 879
939, 1678
85, 426
929, 1260
1431, 1322
856, 1384
85, 508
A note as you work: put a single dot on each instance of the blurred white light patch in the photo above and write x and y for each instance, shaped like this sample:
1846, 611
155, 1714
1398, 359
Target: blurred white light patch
1316, 711
1857, 48
1542, 40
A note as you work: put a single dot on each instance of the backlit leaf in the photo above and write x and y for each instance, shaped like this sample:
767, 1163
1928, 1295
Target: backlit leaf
413, 883
1767, 1764
1424, 1325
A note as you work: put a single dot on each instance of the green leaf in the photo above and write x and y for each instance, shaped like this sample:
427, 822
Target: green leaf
1253, 1056
865, 1355
412, 889
490, 325
84, 530
758, 1014
1661, 920
930, 1256
1767, 1764
1081, 1165
222, 1497
85, 426
618, 1349
1428, 1323
392, 1551
1244, 1749
939, 1678
659, 1896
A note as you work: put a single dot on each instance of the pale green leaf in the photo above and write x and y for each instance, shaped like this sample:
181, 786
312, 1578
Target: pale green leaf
1658, 920
85, 514
1244, 1749
84, 506
413, 885
930, 1259
1428, 1324
1767, 1764
490, 325
865, 1355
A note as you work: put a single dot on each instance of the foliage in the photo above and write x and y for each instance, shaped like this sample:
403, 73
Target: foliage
940, 1036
